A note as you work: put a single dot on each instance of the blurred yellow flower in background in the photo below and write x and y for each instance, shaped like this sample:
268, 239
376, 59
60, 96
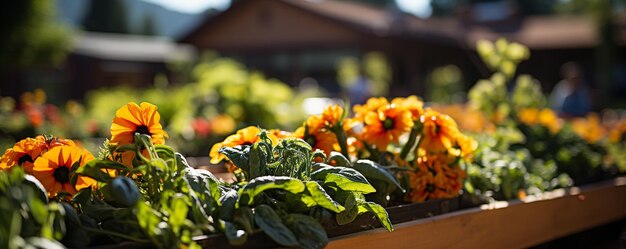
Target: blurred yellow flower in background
589, 128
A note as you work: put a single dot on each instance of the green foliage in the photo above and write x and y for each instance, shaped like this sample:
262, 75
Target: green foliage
282, 178
374, 66
106, 16
31, 36
445, 85
27, 219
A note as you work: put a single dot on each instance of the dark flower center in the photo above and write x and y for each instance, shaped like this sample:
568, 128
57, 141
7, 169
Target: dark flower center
430, 187
24, 158
310, 140
62, 174
143, 130
388, 124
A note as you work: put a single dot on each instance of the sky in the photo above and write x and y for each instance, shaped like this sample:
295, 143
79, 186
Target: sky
419, 8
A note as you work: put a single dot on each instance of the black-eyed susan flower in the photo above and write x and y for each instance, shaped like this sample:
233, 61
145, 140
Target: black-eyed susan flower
53, 169
133, 118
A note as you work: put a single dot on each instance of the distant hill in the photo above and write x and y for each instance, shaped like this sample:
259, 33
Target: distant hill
168, 23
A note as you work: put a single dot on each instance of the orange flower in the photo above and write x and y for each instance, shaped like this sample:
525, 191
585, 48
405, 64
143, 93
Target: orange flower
589, 128
386, 125
52, 169
618, 133
331, 115
545, 117
434, 179
245, 136
132, 118
280, 134
223, 124
372, 104
318, 139
412, 104
439, 132
25, 152
466, 146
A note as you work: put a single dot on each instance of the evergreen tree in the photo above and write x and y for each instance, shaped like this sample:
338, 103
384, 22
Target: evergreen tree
148, 26
106, 16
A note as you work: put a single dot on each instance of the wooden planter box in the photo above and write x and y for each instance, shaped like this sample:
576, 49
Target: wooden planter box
514, 224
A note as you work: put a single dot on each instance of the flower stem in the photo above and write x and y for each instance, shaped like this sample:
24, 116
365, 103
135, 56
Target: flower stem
411, 143
341, 139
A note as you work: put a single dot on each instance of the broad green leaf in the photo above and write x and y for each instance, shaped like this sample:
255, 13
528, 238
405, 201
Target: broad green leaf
235, 236
240, 156
320, 197
227, 201
260, 184
257, 162
37, 187
372, 170
348, 183
339, 159
244, 218
379, 211
311, 235
351, 210
273, 226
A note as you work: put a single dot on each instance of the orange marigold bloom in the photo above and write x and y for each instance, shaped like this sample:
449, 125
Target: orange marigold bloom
412, 104
589, 128
331, 115
280, 134
386, 125
372, 104
439, 131
434, 179
549, 119
143, 119
466, 146
245, 136
618, 133
322, 139
53, 169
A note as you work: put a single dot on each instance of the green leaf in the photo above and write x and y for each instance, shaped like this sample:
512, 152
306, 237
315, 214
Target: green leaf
311, 235
82, 196
245, 218
40, 242
380, 213
340, 160
256, 164
260, 184
372, 170
348, 183
319, 195
238, 155
273, 226
235, 236
351, 210
227, 201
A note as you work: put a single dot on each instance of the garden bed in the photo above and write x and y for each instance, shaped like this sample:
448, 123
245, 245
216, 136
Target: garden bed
518, 224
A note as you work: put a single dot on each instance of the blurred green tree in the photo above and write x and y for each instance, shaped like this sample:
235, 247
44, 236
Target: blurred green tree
106, 16
30, 35
148, 26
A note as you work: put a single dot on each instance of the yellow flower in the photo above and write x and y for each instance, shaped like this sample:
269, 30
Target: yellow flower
223, 124
386, 125
52, 169
549, 119
245, 136
280, 134
528, 116
132, 118
439, 132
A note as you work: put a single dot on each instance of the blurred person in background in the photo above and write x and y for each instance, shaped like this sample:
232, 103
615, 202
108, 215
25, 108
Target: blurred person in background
570, 97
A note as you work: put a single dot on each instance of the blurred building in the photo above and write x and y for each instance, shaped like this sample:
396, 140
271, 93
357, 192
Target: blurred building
101, 60
295, 39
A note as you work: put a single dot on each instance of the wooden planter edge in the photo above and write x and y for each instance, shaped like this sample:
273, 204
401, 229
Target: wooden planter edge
514, 224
